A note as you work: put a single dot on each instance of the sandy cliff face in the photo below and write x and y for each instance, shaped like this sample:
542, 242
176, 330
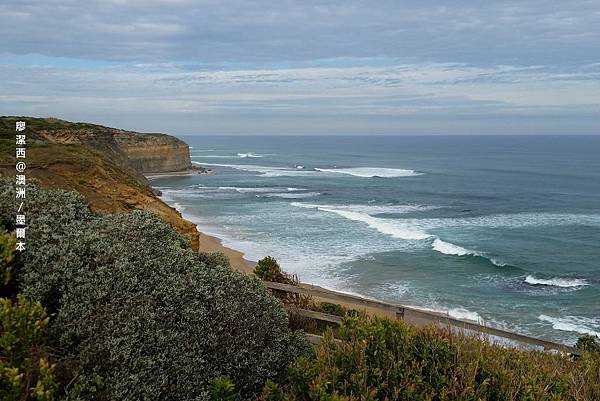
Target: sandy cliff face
145, 153
154, 153
104, 164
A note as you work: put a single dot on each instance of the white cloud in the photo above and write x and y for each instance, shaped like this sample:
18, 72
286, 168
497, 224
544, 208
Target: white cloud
390, 93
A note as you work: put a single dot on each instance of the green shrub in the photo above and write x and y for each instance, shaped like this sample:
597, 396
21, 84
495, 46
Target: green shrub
272, 392
332, 309
379, 359
588, 343
25, 373
7, 254
144, 316
222, 389
269, 270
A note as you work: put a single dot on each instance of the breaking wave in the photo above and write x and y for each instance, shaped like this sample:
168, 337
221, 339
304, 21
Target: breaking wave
448, 248
296, 195
406, 229
465, 314
451, 249
384, 226
250, 154
556, 282
369, 172
267, 171
263, 171
577, 324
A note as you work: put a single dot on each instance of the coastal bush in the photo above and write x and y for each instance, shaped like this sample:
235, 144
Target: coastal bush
7, 255
588, 343
222, 389
25, 372
269, 270
141, 314
382, 359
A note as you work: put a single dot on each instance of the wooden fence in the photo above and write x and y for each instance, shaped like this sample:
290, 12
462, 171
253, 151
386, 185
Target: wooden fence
411, 315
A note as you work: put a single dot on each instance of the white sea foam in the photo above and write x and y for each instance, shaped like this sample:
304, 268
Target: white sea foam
369, 172
391, 227
264, 171
295, 195
516, 220
455, 313
244, 190
577, 324
406, 229
212, 156
250, 154
204, 191
450, 249
465, 314
556, 282
371, 210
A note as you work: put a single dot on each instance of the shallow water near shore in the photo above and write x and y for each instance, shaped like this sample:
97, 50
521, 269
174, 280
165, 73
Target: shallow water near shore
501, 230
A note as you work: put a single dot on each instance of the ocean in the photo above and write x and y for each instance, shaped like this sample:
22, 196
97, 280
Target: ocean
503, 230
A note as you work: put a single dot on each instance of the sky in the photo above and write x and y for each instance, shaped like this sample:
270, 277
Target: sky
286, 67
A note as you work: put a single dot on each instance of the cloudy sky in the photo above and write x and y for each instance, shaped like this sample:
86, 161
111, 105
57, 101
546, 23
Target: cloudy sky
305, 67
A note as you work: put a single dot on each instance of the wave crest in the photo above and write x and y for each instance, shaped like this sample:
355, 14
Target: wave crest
556, 282
450, 249
249, 154
577, 324
370, 172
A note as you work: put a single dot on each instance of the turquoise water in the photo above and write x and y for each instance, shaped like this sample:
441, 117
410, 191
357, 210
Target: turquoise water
504, 230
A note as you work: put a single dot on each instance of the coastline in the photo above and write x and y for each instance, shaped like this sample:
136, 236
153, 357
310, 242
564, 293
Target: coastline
206, 242
419, 316
212, 243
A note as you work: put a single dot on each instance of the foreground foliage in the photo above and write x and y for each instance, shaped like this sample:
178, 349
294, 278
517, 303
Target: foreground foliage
379, 359
138, 314
25, 372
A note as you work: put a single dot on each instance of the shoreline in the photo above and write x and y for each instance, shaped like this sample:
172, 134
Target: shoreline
423, 317
420, 316
213, 243
206, 242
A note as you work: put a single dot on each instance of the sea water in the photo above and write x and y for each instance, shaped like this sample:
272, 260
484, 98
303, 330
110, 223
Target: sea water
503, 230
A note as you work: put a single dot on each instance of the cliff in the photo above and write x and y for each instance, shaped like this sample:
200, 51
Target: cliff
145, 153
105, 165
154, 153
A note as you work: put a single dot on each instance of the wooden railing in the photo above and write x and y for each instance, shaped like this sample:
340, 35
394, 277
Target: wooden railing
411, 315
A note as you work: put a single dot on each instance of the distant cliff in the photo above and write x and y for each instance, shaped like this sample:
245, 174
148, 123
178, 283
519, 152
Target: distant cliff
154, 153
106, 165
145, 153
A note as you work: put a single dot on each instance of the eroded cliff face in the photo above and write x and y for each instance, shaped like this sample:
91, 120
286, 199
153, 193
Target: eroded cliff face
145, 153
105, 165
154, 153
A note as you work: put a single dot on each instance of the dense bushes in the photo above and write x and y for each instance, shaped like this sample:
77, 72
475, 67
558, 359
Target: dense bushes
380, 359
141, 315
